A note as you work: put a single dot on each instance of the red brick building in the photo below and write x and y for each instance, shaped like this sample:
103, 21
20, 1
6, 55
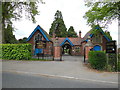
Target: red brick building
42, 43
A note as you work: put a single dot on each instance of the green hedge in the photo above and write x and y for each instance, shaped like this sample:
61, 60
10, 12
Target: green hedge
97, 60
16, 51
119, 62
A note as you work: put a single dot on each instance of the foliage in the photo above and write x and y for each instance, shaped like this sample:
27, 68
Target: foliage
58, 27
16, 51
23, 40
97, 59
9, 37
112, 62
13, 11
71, 32
107, 33
118, 62
102, 12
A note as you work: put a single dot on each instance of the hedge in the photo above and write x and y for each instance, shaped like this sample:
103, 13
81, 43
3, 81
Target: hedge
16, 51
97, 59
119, 62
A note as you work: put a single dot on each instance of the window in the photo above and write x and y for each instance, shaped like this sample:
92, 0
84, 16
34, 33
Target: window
77, 49
97, 39
38, 37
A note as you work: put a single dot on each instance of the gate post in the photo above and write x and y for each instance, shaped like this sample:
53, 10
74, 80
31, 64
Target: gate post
57, 50
87, 48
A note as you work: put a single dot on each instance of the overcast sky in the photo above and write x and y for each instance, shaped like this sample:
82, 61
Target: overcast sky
72, 11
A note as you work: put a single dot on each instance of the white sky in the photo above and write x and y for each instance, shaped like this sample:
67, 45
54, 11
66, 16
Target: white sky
72, 11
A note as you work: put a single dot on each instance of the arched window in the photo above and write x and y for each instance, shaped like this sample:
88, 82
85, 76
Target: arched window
77, 49
38, 37
97, 38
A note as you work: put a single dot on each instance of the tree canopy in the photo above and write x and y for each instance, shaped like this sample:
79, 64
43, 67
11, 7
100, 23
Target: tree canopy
71, 32
13, 11
23, 40
102, 13
58, 27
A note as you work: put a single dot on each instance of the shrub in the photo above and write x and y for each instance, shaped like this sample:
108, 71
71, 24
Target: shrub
119, 66
97, 59
118, 62
112, 62
16, 51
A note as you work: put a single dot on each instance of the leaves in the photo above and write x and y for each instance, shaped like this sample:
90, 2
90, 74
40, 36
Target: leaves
13, 11
102, 12
16, 51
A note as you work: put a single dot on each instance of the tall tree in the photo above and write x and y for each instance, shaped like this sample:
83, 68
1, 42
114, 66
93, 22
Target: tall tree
58, 27
71, 32
102, 13
9, 37
13, 11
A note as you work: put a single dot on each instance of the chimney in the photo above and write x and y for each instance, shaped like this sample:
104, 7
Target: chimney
80, 34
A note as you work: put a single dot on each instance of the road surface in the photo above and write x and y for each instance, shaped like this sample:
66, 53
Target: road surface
22, 80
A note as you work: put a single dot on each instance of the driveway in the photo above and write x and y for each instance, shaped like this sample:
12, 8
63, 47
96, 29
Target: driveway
73, 58
71, 67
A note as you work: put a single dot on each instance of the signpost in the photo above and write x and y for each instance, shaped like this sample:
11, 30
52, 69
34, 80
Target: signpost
111, 47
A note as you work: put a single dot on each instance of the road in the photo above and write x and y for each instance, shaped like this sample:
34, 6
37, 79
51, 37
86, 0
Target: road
22, 80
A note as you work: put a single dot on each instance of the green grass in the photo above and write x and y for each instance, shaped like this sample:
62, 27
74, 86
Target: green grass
32, 59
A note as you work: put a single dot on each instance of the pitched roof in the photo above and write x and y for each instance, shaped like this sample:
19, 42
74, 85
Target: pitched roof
74, 41
44, 33
90, 34
67, 40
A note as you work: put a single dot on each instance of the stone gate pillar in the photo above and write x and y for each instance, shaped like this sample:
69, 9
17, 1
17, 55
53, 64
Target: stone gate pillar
87, 47
57, 50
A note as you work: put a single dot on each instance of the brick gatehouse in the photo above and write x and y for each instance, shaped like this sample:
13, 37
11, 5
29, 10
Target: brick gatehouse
43, 43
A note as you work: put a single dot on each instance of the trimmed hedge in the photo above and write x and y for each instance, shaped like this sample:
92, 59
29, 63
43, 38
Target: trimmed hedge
16, 51
97, 59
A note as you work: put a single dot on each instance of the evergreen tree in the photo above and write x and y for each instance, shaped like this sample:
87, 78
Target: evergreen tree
23, 40
58, 27
71, 32
9, 37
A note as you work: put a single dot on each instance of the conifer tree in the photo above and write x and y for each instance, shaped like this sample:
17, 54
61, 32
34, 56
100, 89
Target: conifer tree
71, 32
58, 27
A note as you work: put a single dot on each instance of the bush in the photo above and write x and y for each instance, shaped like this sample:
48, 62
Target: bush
97, 59
16, 51
119, 66
112, 62
118, 62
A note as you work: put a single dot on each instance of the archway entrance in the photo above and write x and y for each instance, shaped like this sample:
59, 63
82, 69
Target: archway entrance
66, 49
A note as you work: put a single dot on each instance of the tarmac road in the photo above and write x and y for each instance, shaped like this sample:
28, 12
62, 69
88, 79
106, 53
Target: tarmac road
20, 80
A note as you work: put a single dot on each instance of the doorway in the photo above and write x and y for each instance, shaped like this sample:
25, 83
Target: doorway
66, 49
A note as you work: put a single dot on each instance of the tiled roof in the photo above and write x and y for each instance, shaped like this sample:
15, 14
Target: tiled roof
75, 41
